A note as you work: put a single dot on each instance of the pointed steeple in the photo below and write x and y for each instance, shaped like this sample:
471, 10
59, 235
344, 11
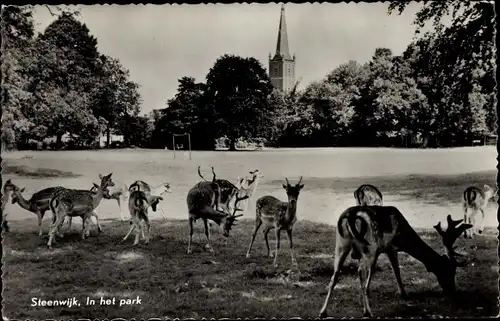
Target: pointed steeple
282, 45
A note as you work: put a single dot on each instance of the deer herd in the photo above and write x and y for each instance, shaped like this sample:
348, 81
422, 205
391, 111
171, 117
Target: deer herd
365, 230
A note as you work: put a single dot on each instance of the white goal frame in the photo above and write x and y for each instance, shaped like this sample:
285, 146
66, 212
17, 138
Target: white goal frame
181, 135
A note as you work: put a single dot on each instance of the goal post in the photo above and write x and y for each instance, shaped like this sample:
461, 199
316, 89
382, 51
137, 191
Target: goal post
181, 135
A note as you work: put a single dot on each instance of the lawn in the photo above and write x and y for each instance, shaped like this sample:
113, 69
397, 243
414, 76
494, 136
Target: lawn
425, 185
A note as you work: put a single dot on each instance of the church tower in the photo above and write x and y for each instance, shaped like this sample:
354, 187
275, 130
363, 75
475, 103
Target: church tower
282, 65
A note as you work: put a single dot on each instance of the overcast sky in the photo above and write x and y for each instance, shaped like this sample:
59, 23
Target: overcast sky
162, 43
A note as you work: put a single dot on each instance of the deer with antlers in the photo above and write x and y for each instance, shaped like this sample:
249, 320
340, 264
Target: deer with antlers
73, 202
201, 202
475, 200
224, 195
274, 213
383, 229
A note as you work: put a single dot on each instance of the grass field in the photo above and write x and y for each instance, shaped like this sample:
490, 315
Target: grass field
425, 185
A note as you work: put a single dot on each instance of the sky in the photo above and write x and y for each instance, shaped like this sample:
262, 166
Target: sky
161, 43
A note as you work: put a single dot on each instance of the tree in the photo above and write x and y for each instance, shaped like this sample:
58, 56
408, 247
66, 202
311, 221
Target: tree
17, 35
185, 113
236, 97
62, 79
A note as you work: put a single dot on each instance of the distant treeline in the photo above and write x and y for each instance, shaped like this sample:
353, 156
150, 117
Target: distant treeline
439, 92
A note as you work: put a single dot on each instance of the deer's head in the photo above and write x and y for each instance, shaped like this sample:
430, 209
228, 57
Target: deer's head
229, 221
490, 192
247, 182
105, 191
292, 191
445, 272
106, 181
17, 194
8, 186
154, 201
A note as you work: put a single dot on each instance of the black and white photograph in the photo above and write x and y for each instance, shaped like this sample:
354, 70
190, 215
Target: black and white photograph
249, 160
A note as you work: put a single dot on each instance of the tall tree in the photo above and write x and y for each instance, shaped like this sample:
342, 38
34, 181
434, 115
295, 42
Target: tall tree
236, 91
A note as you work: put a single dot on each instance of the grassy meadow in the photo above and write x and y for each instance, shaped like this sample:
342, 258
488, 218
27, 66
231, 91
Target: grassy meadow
426, 185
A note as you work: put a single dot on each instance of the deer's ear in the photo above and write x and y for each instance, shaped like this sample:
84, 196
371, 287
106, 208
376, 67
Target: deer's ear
301, 186
95, 185
284, 186
100, 176
23, 189
109, 175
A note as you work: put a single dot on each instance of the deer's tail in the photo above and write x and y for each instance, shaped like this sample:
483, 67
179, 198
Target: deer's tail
351, 223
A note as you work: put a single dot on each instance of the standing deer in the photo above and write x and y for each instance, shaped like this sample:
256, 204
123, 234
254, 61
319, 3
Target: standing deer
72, 202
366, 194
120, 193
248, 185
7, 190
201, 200
38, 203
278, 215
474, 200
383, 229
153, 194
138, 205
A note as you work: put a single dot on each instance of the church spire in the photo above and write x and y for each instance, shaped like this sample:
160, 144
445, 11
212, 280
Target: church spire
282, 45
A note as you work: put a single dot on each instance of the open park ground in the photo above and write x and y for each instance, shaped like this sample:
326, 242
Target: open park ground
426, 185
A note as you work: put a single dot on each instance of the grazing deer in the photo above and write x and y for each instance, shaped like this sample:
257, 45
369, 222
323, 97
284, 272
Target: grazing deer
248, 185
383, 229
278, 215
366, 194
72, 202
7, 190
474, 200
200, 201
224, 195
153, 194
138, 206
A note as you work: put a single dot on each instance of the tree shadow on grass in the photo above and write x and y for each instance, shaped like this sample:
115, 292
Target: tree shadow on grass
26, 171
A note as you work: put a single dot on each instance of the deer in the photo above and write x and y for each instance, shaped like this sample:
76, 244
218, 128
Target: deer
278, 215
38, 203
201, 200
224, 194
73, 202
366, 194
384, 229
7, 190
138, 205
474, 200
153, 194
249, 185
120, 193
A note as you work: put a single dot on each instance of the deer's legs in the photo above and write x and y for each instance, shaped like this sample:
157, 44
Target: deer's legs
466, 218
342, 248
148, 231
481, 226
365, 270
207, 234
119, 200
258, 223
56, 224
39, 217
292, 252
190, 234
277, 233
393, 259
138, 229
266, 232
70, 220
99, 228
132, 227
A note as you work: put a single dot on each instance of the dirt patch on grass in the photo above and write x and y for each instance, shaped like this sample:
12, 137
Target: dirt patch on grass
29, 172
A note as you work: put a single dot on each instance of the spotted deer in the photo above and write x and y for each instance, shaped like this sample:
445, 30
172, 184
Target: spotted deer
73, 202
138, 205
38, 203
278, 215
366, 194
7, 190
200, 201
373, 230
153, 194
476, 200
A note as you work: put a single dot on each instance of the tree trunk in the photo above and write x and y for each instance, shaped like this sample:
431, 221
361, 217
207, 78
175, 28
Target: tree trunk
58, 141
232, 144
108, 137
